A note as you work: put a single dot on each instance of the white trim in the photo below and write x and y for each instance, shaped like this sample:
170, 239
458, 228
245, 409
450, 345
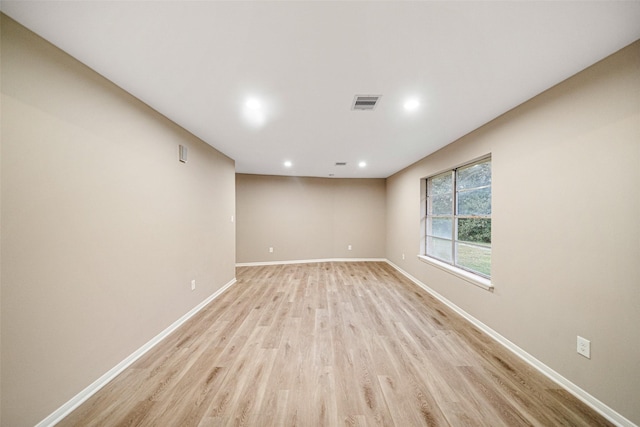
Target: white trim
572, 388
474, 279
585, 397
85, 394
310, 261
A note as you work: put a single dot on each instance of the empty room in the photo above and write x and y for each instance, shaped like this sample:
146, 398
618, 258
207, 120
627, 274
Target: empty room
310, 213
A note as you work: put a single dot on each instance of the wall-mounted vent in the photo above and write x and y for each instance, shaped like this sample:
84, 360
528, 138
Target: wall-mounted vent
365, 102
182, 153
341, 163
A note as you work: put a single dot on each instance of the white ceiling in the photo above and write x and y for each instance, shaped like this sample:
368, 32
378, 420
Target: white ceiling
199, 62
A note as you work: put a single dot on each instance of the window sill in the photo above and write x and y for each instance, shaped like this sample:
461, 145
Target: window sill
458, 272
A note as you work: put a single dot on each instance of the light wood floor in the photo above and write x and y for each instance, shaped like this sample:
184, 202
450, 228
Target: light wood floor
330, 344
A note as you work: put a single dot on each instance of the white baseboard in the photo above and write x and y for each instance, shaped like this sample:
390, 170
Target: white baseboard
585, 397
310, 261
85, 394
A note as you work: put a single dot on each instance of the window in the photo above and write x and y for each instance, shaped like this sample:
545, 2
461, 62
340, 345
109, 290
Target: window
457, 220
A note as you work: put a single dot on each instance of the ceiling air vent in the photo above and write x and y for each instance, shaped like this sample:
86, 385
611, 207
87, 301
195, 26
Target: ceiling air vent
365, 102
341, 163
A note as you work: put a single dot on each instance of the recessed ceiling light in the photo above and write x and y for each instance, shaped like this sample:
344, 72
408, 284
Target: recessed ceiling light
254, 112
362, 164
411, 104
288, 164
253, 104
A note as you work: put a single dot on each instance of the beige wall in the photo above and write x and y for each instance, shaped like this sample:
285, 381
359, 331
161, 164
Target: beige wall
309, 218
102, 228
566, 235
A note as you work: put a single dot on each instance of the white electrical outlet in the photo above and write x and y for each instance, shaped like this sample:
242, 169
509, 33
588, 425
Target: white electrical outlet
402, 256
349, 247
270, 250
193, 285
584, 347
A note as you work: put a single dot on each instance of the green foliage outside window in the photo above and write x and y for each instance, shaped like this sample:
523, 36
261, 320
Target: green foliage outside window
474, 230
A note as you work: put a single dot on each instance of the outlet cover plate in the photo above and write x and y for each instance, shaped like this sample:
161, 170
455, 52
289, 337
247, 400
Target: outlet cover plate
584, 347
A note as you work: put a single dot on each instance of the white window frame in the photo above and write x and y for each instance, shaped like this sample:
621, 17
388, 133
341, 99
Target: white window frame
470, 276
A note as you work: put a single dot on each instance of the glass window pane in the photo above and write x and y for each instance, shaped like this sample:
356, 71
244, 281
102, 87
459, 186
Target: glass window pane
460, 201
440, 248
474, 176
440, 227
475, 202
441, 184
474, 258
475, 230
441, 204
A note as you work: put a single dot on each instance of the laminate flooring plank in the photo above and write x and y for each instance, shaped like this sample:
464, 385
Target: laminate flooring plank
146, 385
311, 294
281, 408
113, 402
270, 309
403, 410
287, 363
411, 383
502, 408
299, 293
345, 378
408, 342
250, 390
323, 341
274, 332
330, 344
372, 403
240, 371
236, 337
414, 314
369, 308
576, 413
523, 388
458, 401
186, 403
